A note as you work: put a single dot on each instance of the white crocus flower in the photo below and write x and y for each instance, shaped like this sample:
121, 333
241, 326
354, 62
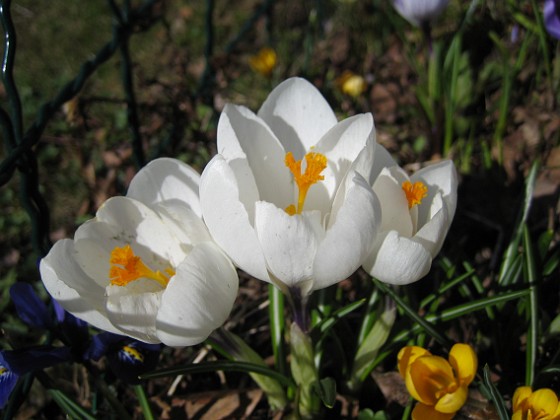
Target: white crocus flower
287, 197
416, 214
146, 266
420, 12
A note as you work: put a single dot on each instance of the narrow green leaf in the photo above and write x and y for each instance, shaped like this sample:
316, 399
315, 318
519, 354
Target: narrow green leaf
70, 408
143, 401
551, 264
461, 310
445, 287
495, 395
326, 389
532, 332
223, 365
423, 323
370, 315
368, 350
277, 326
506, 278
326, 324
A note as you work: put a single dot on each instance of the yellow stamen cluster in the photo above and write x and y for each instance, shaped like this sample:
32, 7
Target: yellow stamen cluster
315, 164
414, 192
127, 267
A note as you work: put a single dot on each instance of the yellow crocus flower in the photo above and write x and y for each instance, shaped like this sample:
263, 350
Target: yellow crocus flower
542, 404
440, 386
351, 84
264, 61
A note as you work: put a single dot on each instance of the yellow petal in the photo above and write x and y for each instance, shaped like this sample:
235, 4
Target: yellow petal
556, 414
464, 361
409, 354
428, 377
520, 397
423, 412
543, 401
451, 403
517, 415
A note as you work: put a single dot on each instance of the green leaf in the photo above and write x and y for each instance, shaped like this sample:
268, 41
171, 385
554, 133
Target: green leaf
234, 348
368, 414
365, 356
512, 252
326, 324
494, 395
326, 389
71, 408
144, 404
412, 314
530, 270
303, 370
554, 327
460, 310
277, 326
223, 365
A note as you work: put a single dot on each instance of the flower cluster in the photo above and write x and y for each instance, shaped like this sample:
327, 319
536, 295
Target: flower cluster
293, 197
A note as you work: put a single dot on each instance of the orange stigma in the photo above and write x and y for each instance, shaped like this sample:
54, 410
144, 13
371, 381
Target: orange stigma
315, 164
414, 192
127, 267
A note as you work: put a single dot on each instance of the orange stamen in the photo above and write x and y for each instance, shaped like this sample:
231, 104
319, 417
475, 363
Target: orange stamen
315, 164
127, 267
414, 192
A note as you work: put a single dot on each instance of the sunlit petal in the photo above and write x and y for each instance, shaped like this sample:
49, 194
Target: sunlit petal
464, 361
298, 114
430, 376
453, 401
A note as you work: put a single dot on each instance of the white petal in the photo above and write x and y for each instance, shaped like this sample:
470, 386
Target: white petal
244, 136
134, 313
419, 12
394, 205
166, 179
298, 114
227, 219
342, 145
398, 260
121, 221
72, 288
289, 242
353, 226
344, 142
183, 223
433, 233
198, 299
440, 178
381, 159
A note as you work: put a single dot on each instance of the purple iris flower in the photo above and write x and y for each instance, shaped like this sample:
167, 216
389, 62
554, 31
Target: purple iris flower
127, 358
14, 363
8, 381
552, 17
420, 12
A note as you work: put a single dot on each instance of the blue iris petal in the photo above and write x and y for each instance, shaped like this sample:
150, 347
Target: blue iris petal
8, 381
22, 361
29, 307
101, 343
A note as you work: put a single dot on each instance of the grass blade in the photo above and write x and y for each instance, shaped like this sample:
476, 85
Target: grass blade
277, 326
495, 395
532, 332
